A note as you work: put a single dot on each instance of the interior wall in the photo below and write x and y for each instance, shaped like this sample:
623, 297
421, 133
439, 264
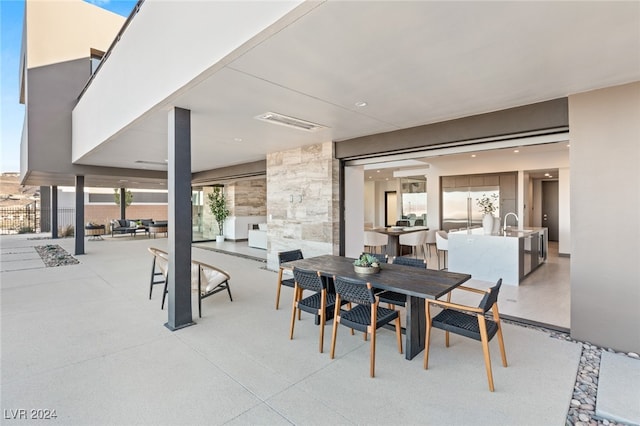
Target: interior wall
564, 211
605, 201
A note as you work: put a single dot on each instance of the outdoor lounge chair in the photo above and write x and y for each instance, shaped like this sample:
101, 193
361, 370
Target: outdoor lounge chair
159, 267
209, 281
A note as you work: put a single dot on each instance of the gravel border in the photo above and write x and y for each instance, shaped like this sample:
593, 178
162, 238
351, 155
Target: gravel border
53, 255
582, 409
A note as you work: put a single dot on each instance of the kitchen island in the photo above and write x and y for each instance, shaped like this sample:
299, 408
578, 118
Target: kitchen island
510, 255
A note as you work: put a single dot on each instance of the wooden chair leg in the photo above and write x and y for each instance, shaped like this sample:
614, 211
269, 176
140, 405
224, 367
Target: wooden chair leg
427, 337
372, 361
485, 349
323, 314
496, 318
278, 288
334, 331
399, 334
446, 338
293, 311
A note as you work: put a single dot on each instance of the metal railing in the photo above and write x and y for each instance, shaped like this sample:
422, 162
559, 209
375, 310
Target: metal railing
27, 219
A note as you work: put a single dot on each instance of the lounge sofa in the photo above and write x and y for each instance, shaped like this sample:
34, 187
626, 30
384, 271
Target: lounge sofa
130, 226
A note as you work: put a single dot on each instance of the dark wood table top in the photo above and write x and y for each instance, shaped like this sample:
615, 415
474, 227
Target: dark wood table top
417, 282
390, 231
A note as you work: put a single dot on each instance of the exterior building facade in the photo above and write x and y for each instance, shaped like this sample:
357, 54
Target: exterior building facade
214, 86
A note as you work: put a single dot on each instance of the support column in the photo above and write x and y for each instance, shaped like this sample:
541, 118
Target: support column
45, 209
54, 212
79, 226
123, 203
179, 209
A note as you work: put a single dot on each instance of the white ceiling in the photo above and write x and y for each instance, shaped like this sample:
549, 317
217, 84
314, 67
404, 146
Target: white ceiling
414, 63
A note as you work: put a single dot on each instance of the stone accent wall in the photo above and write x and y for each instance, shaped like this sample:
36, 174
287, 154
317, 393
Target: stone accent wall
244, 198
247, 197
302, 202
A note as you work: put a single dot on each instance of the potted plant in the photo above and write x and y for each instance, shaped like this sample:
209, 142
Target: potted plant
488, 205
218, 206
366, 264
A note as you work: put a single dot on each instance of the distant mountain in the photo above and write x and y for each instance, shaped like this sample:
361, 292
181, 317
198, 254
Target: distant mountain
14, 194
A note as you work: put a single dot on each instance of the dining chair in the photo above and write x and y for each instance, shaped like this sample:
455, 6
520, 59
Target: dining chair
469, 321
403, 222
364, 315
442, 246
382, 257
373, 240
317, 304
431, 240
286, 256
393, 298
415, 240
418, 222
159, 267
208, 280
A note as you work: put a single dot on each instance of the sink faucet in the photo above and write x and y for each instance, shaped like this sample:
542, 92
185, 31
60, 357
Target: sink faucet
504, 225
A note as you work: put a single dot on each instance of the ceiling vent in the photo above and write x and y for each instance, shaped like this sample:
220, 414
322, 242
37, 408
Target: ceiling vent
283, 120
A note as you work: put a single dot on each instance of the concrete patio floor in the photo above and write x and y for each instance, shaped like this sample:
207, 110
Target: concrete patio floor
86, 341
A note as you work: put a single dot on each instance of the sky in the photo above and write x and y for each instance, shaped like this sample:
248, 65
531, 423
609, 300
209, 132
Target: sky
12, 112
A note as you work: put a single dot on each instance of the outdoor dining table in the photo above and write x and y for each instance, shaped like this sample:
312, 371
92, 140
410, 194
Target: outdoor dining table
416, 283
393, 245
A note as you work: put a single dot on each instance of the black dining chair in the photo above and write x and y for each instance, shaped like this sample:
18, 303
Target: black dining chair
317, 304
382, 258
365, 316
391, 297
286, 256
403, 222
469, 321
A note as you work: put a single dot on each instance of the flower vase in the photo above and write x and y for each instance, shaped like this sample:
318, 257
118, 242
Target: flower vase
487, 223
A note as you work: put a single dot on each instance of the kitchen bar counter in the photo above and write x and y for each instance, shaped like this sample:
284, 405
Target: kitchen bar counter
511, 255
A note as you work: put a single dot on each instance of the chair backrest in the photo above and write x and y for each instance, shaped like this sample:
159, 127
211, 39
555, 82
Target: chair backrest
354, 290
308, 279
375, 239
417, 238
442, 241
490, 298
418, 222
403, 222
290, 256
409, 261
382, 258
431, 236
161, 259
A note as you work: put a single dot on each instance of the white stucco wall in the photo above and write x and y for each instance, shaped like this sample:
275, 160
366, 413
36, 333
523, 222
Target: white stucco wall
167, 47
605, 203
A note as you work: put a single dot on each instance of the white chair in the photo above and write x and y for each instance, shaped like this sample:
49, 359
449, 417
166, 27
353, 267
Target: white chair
431, 240
442, 245
374, 239
415, 240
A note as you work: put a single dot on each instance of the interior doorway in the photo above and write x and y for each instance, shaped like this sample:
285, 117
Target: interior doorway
550, 208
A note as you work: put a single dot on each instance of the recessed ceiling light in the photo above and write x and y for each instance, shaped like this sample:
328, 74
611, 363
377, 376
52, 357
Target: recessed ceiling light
370, 177
361, 104
547, 174
377, 171
237, 139
386, 178
568, 145
516, 151
473, 156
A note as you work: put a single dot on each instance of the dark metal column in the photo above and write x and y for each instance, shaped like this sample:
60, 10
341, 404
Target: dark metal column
123, 203
79, 227
54, 212
179, 186
45, 209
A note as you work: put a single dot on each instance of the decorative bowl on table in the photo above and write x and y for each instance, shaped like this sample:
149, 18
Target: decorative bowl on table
366, 264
